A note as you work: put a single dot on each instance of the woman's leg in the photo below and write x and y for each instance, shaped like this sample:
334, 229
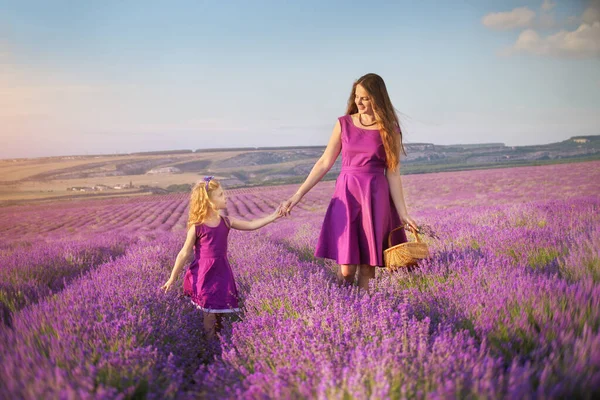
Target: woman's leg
365, 274
347, 272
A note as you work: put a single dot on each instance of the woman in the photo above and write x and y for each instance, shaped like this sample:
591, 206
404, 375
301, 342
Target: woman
368, 201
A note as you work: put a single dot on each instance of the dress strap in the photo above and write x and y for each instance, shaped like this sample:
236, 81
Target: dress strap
227, 222
344, 120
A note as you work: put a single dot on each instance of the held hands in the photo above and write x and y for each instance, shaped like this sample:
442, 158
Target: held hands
286, 206
278, 213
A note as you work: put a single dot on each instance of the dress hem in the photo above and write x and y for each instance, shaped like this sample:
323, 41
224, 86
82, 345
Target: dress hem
349, 263
216, 310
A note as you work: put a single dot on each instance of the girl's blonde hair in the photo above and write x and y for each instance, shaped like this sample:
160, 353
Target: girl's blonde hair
200, 203
385, 115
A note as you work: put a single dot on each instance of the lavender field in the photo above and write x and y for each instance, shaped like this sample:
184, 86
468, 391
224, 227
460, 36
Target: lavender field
508, 306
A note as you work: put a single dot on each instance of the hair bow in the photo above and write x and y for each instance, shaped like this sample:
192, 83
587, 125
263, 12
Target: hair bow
207, 180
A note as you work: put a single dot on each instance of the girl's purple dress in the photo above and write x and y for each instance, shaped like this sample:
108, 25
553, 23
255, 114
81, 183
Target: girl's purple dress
209, 279
361, 213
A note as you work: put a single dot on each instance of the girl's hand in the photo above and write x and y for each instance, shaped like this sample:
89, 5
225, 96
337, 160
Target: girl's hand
278, 213
167, 285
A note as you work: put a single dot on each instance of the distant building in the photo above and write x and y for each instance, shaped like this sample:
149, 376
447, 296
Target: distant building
581, 140
102, 187
124, 185
164, 170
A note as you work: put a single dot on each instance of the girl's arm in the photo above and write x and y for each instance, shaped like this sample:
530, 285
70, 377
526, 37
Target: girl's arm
256, 223
182, 258
397, 193
321, 167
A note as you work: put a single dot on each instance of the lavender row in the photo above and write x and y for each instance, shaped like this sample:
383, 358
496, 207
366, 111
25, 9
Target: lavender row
124, 216
31, 272
109, 334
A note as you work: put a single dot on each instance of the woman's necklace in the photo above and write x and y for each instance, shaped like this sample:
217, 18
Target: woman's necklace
359, 120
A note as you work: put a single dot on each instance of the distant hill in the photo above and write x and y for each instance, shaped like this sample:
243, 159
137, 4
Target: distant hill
161, 171
425, 157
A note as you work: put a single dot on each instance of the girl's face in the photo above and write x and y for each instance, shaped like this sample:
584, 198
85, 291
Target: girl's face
218, 198
363, 100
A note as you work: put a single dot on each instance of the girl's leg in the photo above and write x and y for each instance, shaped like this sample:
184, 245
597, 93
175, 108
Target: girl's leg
210, 320
347, 272
365, 274
218, 322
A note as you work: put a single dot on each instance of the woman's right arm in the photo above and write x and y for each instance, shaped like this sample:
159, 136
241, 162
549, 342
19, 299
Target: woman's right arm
321, 167
184, 255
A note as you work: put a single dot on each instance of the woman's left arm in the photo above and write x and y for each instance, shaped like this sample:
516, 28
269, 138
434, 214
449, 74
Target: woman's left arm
397, 193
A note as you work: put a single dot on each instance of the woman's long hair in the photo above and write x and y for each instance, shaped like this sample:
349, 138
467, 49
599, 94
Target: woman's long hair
200, 203
385, 115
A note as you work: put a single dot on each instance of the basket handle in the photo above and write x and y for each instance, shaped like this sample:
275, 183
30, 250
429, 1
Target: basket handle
417, 237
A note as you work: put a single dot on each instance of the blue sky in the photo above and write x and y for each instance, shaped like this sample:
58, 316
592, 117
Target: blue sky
118, 77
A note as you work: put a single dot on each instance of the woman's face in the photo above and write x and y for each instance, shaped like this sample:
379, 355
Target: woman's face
363, 100
218, 198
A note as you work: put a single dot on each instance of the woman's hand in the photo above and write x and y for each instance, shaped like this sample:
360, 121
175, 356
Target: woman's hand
406, 220
286, 206
167, 285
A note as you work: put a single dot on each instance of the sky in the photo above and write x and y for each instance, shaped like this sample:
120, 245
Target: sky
106, 77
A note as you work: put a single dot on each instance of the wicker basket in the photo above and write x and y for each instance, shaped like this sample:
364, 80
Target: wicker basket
404, 254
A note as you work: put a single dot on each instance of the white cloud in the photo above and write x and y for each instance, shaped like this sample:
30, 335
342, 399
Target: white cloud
517, 18
582, 43
523, 18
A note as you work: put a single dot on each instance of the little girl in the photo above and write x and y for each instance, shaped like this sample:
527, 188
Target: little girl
209, 280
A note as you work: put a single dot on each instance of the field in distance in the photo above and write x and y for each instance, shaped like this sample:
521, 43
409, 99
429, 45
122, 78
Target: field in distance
23, 180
